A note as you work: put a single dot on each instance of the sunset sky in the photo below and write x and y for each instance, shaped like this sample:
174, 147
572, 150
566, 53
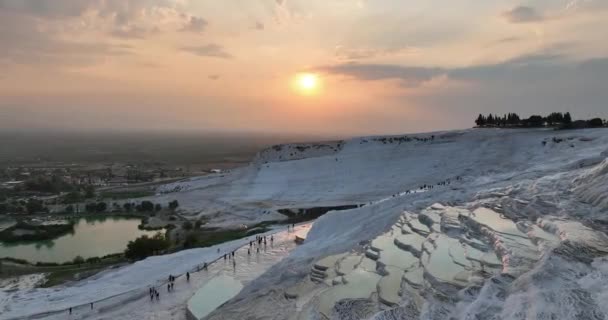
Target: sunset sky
379, 66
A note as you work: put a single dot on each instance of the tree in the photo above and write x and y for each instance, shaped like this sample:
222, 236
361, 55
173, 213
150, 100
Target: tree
72, 197
89, 192
534, 121
596, 122
93, 260
490, 119
481, 120
198, 224
69, 209
101, 207
146, 206
127, 206
173, 205
158, 207
187, 225
90, 207
145, 246
78, 260
191, 241
35, 206
567, 119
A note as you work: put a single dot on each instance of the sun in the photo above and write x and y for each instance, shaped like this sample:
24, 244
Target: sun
307, 83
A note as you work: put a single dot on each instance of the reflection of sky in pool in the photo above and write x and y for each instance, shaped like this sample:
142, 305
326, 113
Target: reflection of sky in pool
213, 294
227, 279
92, 237
441, 249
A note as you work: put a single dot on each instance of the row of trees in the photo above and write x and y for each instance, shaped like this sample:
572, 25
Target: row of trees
514, 120
555, 119
53, 184
76, 196
33, 206
144, 206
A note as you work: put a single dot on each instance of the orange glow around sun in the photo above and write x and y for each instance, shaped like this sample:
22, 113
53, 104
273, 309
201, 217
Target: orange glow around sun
307, 83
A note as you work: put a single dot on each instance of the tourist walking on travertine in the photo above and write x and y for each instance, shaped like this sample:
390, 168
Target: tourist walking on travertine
188, 276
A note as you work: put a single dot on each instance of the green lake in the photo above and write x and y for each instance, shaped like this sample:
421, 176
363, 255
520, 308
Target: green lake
92, 237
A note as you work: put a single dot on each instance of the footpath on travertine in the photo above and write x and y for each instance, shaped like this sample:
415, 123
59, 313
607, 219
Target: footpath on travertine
172, 305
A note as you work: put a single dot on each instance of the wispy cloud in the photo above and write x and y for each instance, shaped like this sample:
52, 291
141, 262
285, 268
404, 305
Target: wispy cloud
195, 24
24, 43
522, 14
408, 75
531, 65
210, 50
508, 39
133, 32
349, 54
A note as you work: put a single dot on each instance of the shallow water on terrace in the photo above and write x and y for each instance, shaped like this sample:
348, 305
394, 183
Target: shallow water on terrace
446, 260
413, 256
92, 237
213, 294
360, 284
496, 222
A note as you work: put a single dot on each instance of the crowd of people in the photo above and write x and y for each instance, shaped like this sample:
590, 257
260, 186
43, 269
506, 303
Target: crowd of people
427, 187
259, 241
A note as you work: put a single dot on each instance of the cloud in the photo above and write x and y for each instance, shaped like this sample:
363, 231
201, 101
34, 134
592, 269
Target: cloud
120, 9
410, 76
133, 32
45, 31
522, 14
24, 43
195, 24
534, 66
209, 50
508, 40
343, 53
124, 18
48, 8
